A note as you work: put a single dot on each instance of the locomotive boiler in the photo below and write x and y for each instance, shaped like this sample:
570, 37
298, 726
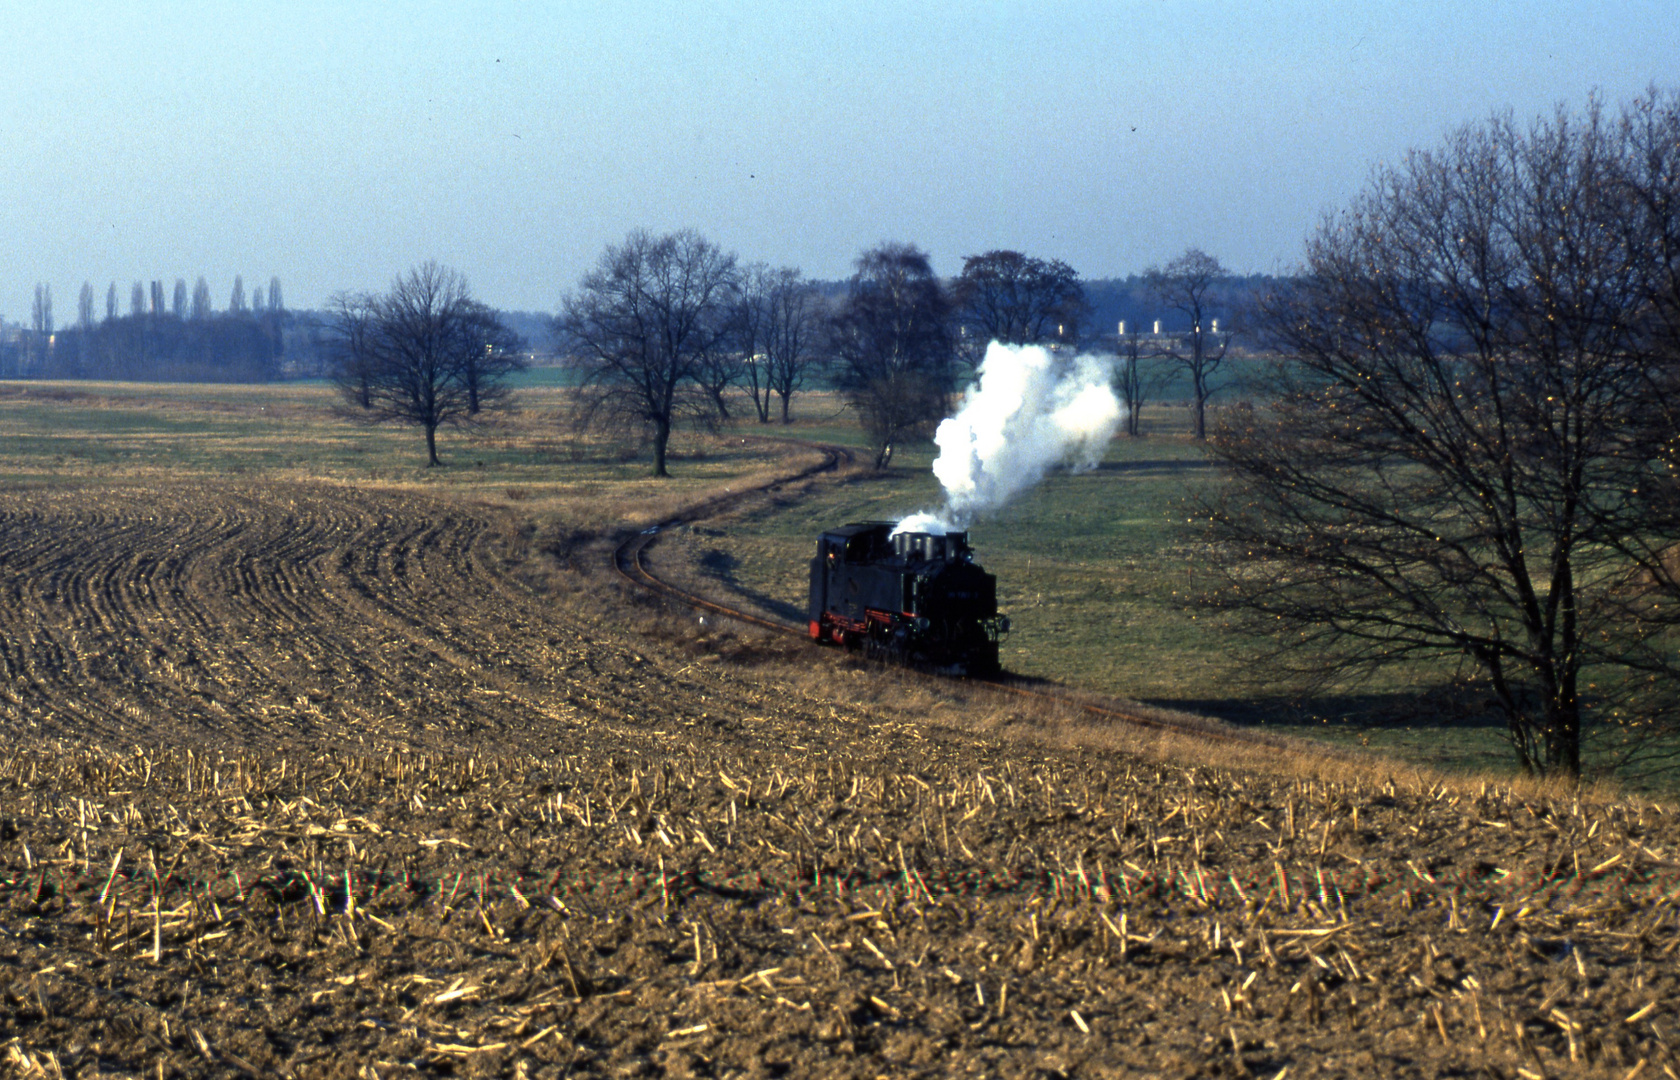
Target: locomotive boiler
916, 598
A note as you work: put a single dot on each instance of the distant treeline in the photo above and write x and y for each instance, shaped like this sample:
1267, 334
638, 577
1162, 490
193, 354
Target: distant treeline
235, 346
1128, 299
186, 342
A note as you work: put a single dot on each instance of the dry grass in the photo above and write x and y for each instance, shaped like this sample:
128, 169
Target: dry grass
919, 903
788, 664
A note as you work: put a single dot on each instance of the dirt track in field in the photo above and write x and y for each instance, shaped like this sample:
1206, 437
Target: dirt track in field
305, 782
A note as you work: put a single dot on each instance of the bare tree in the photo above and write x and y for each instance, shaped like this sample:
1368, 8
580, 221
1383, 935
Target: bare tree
201, 299
1136, 376
178, 302
775, 335
747, 333
111, 302
236, 301
1463, 460
792, 335
274, 301
1016, 299
84, 307
157, 298
892, 346
719, 368
1186, 284
499, 353
350, 320
640, 325
137, 300
418, 354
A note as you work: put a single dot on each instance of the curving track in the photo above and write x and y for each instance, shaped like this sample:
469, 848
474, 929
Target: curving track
629, 556
629, 560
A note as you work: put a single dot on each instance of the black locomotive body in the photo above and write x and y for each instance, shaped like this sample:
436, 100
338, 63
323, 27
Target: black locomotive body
917, 598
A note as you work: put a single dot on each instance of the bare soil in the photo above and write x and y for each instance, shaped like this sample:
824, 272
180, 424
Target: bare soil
307, 780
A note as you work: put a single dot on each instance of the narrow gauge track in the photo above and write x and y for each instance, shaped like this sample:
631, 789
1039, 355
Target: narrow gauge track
627, 557
628, 561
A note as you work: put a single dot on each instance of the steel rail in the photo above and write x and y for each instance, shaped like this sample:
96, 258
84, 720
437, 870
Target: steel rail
627, 556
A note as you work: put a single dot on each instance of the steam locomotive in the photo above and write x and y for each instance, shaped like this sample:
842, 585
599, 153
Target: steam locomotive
914, 598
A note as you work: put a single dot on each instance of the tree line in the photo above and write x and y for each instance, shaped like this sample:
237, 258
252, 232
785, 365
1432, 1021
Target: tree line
670, 330
665, 327
182, 338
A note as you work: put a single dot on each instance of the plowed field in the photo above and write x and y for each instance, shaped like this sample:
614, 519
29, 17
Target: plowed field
306, 781
280, 615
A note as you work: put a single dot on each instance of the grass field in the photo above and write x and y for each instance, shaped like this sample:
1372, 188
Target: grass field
53, 433
1097, 572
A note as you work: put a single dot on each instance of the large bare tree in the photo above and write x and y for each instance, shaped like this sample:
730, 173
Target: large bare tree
639, 327
892, 347
793, 335
1016, 299
1188, 285
426, 353
1466, 460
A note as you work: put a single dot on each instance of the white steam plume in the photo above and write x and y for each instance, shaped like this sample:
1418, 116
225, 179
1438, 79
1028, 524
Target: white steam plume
1030, 410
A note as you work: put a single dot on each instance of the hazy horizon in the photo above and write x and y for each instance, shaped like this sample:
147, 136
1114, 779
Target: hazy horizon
334, 147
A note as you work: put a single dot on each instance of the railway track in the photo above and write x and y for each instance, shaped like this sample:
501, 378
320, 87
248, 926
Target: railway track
630, 564
627, 556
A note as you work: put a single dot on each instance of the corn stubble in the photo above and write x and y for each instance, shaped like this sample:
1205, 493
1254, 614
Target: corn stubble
395, 812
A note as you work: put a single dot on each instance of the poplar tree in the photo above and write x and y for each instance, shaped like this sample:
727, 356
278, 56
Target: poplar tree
201, 299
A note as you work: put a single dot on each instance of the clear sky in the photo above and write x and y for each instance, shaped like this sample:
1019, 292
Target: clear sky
334, 145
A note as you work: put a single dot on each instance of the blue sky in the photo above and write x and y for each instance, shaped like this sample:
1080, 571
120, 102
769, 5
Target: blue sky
335, 145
